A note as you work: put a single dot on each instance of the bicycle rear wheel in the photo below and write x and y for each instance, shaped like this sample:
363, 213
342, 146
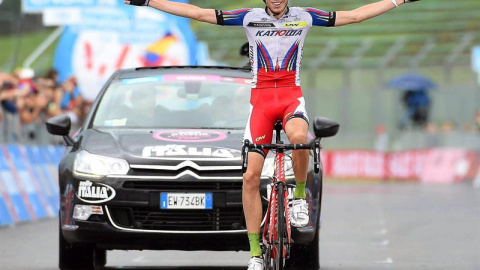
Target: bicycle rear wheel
278, 254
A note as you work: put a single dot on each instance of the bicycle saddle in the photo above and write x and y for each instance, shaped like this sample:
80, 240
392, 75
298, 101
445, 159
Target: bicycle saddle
324, 127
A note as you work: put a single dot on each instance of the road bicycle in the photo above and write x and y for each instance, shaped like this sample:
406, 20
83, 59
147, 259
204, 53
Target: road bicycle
277, 233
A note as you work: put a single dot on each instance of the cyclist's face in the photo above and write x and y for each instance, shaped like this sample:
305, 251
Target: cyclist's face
277, 7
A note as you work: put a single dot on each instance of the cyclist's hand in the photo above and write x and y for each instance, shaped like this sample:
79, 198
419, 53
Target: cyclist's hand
410, 1
137, 2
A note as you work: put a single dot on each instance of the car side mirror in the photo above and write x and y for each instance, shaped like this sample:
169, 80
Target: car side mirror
324, 127
60, 125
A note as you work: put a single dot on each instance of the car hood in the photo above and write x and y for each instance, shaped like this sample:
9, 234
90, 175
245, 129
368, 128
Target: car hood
147, 146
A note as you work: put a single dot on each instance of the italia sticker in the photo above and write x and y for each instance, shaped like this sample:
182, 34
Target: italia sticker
184, 151
189, 136
90, 192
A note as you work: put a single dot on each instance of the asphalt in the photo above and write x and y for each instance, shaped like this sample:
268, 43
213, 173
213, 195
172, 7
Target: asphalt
364, 226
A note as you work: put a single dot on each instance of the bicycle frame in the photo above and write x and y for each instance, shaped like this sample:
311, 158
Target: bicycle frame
270, 232
277, 235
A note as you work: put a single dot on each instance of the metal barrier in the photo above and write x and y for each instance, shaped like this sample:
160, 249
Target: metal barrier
28, 182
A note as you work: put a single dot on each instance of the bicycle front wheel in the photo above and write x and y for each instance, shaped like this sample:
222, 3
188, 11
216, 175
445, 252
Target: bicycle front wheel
278, 250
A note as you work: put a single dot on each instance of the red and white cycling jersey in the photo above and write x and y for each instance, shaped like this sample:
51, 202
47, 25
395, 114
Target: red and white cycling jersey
276, 45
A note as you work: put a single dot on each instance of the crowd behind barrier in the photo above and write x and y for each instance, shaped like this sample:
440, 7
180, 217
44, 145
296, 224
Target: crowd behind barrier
27, 101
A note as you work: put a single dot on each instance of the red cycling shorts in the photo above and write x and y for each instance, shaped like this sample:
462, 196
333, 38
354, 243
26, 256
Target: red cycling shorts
268, 105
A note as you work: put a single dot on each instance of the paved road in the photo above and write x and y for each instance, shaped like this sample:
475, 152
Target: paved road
365, 226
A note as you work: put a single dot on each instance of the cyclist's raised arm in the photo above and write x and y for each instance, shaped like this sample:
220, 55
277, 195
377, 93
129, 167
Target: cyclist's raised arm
368, 11
178, 9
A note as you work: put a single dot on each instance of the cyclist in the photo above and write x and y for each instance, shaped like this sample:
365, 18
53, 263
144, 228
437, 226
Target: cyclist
276, 35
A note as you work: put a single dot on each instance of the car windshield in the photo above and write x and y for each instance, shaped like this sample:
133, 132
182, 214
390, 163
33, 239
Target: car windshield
175, 101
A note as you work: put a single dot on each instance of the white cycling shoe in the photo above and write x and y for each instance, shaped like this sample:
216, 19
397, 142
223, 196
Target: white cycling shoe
299, 213
255, 263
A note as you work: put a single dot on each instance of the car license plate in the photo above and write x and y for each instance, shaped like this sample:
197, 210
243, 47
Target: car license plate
186, 200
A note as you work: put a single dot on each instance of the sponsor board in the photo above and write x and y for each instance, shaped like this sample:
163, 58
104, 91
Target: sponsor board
101, 38
27, 182
19, 202
38, 6
432, 165
476, 60
91, 192
49, 198
174, 150
189, 136
27, 188
5, 215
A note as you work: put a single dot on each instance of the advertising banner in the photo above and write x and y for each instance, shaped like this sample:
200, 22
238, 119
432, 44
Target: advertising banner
19, 201
27, 182
6, 209
98, 41
476, 61
53, 159
349, 164
442, 165
406, 165
48, 197
38, 6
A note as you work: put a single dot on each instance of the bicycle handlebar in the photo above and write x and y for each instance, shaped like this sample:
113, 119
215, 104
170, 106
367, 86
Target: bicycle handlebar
298, 146
314, 145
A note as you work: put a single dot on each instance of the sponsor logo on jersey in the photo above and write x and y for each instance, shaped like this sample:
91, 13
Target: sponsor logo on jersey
94, 192
260, 138
260, 24
279, 33
184, 151
295, 24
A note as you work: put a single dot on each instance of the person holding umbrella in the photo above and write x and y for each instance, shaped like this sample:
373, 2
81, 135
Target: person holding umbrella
414, 97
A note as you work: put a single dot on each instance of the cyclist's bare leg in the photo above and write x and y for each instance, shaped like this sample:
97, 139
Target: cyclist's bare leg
252, 204
296, 130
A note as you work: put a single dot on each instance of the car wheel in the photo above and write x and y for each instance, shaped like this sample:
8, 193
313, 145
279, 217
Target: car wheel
305, 256
100, 257
74, 256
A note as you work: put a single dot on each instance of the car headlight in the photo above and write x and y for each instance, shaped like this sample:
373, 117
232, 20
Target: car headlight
95, 166
269, 167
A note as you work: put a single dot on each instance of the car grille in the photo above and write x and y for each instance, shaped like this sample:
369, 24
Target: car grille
187, 185
217, 219
172, 173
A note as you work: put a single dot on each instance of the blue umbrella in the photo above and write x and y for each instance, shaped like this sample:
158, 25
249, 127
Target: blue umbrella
412, 82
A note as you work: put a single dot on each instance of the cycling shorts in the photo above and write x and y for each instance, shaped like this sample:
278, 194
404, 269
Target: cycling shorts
268, 105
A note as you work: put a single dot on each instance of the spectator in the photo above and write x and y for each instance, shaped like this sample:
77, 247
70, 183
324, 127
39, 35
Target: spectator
381, 138
30, 100
71, 101
418, 107
52, 74
432, 137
